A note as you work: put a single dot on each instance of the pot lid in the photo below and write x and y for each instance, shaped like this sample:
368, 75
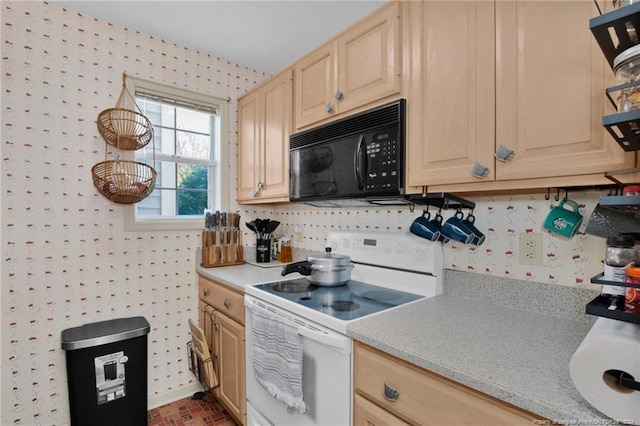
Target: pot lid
330, 260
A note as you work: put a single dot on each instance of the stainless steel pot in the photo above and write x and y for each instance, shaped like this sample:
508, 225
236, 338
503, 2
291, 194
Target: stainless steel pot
330, 270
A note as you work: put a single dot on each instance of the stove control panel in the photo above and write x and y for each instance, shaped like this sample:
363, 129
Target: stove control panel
393, 250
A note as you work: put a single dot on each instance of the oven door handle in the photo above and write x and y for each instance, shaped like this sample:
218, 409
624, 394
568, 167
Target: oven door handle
339, 343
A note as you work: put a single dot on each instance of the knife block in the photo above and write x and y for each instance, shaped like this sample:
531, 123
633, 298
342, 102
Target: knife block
218, 250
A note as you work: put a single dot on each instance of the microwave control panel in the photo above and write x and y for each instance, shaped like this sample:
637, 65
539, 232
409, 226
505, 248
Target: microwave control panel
383, 160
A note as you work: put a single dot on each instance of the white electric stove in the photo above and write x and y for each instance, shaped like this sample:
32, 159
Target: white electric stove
391, 270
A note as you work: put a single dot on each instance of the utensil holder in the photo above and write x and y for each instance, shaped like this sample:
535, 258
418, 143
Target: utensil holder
263, 250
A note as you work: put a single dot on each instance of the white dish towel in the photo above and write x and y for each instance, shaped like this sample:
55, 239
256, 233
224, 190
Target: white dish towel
277, 357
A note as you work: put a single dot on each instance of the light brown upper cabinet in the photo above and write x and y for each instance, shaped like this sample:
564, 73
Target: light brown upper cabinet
265, 121
527, 76
360, 66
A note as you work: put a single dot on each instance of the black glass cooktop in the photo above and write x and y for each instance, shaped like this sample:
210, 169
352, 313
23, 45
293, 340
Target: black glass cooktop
346, 302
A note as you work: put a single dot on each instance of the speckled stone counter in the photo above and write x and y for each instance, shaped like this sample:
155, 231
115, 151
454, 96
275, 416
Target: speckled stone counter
239, 276
519, 356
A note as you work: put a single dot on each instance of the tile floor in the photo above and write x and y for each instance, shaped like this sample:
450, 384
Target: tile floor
191, 412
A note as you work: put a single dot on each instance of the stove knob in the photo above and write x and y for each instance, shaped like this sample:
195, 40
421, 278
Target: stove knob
420, 254
401, 248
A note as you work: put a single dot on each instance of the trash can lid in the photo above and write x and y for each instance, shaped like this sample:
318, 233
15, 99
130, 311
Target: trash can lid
104, 332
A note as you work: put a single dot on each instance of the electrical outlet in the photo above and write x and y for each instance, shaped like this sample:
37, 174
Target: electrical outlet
531, 249
297, 230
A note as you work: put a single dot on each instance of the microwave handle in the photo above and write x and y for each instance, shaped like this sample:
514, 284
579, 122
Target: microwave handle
359, 163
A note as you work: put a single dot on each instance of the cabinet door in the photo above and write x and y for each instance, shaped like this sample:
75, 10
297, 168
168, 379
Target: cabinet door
207, 325
425, 398
278, 122
230, 349
369, 59
451, 106
315, 82
366, 413
551, 80
249, 160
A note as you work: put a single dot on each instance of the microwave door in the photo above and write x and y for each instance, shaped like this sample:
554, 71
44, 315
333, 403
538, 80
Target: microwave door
326, 170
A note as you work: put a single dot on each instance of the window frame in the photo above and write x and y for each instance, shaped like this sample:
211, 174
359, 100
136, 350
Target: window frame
220, 197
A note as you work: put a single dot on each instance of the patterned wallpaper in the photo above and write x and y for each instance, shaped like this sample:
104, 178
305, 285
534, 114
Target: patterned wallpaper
570, 262
66, 258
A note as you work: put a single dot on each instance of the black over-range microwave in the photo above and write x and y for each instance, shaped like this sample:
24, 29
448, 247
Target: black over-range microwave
355, 161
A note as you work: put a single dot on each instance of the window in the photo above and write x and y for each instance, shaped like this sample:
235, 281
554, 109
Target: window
186, 152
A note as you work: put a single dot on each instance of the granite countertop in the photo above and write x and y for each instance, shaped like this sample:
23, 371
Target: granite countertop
239, 276
251, 272
509, 339
516, 356
521, 357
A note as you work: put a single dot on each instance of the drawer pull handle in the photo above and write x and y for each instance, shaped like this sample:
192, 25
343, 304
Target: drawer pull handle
226, 303
205, 292
390, 393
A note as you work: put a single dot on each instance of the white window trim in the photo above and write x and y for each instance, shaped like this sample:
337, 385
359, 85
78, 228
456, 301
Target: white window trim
222, 171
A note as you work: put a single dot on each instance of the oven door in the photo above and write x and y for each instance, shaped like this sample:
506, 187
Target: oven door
326, 377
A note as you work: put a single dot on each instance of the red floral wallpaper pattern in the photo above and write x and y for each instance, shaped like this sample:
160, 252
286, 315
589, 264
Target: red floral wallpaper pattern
66, 258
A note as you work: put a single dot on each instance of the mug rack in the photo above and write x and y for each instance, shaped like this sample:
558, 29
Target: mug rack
441, 200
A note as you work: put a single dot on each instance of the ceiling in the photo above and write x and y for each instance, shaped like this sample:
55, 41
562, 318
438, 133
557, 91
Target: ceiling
266, 35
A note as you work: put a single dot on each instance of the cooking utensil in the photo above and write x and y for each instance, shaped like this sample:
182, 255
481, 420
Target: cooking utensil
259, 225
271, 226
330, 270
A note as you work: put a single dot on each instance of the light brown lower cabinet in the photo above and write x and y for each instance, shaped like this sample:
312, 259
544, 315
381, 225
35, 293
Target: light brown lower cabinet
390, 391
221, 314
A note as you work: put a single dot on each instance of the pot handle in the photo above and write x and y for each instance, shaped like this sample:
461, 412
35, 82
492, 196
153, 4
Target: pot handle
304, 268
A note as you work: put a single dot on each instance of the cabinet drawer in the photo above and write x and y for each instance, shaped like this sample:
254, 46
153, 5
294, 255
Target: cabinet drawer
366, 413
425, 398
222, 298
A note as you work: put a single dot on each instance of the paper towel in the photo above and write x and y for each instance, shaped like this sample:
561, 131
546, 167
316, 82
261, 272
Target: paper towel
609, 345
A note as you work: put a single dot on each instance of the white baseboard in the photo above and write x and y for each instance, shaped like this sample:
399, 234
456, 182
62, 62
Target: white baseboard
173, 395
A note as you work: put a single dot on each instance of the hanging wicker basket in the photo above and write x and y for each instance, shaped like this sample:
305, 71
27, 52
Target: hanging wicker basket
124, 128
122, 181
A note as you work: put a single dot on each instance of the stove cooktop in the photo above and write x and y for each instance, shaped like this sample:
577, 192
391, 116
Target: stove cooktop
346, 302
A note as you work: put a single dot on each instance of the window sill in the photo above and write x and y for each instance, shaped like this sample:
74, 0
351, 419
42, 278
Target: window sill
160, 224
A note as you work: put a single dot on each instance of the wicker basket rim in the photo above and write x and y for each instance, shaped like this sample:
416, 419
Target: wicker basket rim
122, 109
120, 161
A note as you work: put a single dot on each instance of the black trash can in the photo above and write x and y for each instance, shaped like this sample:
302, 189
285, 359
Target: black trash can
107, 372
